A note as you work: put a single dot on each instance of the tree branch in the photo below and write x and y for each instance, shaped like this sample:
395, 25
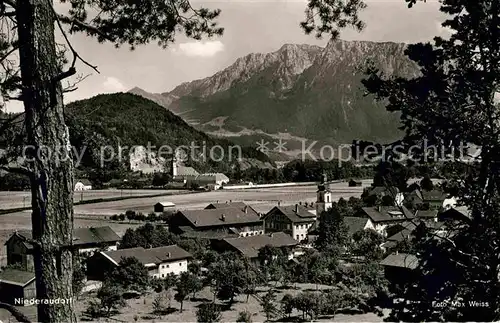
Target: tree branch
17, 170
72, 21
73, 87
72, 70
12, 3
20, 317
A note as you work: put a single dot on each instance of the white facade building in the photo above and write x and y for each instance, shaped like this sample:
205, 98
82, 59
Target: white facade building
83, 185
159, 261
172, 267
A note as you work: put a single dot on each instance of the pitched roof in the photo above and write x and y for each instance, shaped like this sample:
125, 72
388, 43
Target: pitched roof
401, 260
149, 256
415, 194
189, 232
295, 213
434, 195
387, 213
355, 224
212, 177
457, 213
220, 217
84, 181
166, 204
426, 214
238, 205
186, 171
16, 277
81, 236
404, 234
94, 235
250, 246
389, 244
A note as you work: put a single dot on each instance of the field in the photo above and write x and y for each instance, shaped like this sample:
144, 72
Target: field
142, 308
9, 200
262, 200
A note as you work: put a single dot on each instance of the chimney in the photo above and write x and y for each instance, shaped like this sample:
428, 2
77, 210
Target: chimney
379, 209
223, 217
246, 208
396, 252
300, 203
296, 208
168, 254
279, 203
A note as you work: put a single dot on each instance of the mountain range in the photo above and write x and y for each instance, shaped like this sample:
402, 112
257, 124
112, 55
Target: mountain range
299, 93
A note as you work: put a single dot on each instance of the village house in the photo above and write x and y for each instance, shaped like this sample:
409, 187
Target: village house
249, 246
83, 185
433, 199
427, 215
375, 192
383, 217
218, 220
159, 261
459, 214
399, 268
295, 220
191, 177
212, 181
403, 233
85, 240
354, 224
17, 287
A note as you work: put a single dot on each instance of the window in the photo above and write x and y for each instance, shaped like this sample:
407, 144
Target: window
180, 264
297, 237
168, 266
162, 275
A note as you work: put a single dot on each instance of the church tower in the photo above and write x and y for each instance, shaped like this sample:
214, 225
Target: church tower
324, 197
174, 167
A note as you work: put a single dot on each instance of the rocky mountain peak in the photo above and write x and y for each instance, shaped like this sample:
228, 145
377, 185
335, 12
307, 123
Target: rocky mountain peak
288, 61
305, 90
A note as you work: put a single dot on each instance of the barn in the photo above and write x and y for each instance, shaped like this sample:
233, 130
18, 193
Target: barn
161, 207
17, 287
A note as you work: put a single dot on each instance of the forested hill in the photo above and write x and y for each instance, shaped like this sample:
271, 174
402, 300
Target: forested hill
127, 120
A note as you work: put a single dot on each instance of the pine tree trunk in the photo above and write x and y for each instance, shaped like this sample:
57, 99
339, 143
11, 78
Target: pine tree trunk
49, 153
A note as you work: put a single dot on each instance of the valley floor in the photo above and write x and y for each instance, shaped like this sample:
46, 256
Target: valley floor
94, 215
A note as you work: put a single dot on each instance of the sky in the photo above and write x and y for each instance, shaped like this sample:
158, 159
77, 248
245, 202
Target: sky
250, 26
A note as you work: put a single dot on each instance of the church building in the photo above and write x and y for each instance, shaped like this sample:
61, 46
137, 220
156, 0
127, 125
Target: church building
324, 197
